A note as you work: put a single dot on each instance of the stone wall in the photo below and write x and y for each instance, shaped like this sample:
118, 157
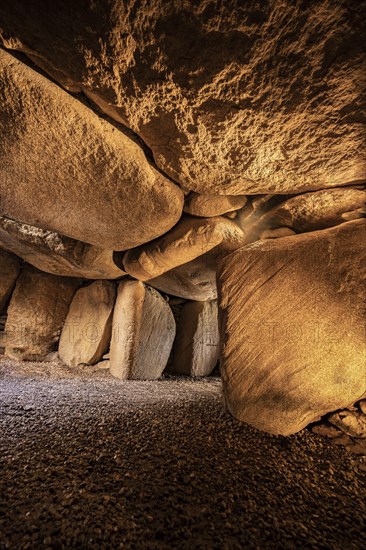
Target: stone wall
164, 166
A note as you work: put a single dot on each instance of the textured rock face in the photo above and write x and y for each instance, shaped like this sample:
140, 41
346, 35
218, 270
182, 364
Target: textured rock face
301, 213
71, 171
276, 233
252, 111
233, 97
196, 347
87, 331
195, 280
292, 325
9, 271
190, 238
213, 205
143, 332
56, 254
318, 210
36, 313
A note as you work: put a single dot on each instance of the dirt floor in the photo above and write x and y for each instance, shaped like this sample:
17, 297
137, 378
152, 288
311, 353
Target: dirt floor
87, 461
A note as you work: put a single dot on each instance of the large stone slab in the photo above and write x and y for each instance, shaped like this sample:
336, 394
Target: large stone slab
232, 97
301, 213
195, 280
212, 205
196, 347
56, 254
143, 332
293, 327
36, 313
317, 210
65, 169
86, 335
189, 239
9, 271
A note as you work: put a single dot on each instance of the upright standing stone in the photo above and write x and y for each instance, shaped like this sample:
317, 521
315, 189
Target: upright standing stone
9, 272
36, 313
292, 315
143, 332
87, 331
196, 347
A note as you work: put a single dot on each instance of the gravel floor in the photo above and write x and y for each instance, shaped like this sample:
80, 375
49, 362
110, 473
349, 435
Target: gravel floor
91, 462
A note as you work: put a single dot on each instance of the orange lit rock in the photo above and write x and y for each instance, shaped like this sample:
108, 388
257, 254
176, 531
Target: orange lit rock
65, 169
190, 238
352, 423
143, 332
292, 327
36, 313
213, 205
9, 271
56, 254
232, 97
87, 331
277, 233
318, 210
305, 212
195, 280
196, 347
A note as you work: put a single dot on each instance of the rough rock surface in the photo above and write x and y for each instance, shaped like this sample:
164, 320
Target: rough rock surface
353, 423
36, 313
212, 205
143, 332
56, 254
305, 212
190, 238
73, 172
276, 233
86, 335
233, 97
195, 280
292, 327
317, 210
347, 428
9, 272
196, 347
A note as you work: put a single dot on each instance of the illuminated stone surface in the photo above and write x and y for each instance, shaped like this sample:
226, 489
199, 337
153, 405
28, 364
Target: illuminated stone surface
56, 254
230, 100
36, 313
301, 213
86, 335
143, 332
317, 210
276, 233
353, 423
213, 205
196, 347
190, 238
293, 327
195, 280
65, 169
233, 97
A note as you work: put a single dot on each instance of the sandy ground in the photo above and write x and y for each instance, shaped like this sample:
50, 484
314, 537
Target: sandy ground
88, 461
